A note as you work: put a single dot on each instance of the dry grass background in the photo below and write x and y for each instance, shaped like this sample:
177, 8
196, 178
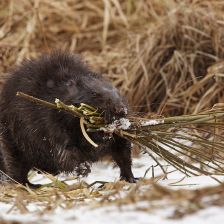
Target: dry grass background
165, 56
157, 52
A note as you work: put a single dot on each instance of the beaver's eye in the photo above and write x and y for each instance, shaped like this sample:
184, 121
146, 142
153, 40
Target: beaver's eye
94, 94
70, 83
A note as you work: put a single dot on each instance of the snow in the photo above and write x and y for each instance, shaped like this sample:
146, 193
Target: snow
113, 215
122, 123
151, 122
125, 123
82, 214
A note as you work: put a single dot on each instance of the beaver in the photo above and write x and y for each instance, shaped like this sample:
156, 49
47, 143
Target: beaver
34, 136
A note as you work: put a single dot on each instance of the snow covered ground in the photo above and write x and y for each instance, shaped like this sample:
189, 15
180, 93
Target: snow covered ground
112, 214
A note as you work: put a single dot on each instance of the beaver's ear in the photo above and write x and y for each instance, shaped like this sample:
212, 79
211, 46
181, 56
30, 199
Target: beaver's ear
97, 76
79, 82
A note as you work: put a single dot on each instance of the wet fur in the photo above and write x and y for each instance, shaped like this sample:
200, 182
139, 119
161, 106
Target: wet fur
34, 136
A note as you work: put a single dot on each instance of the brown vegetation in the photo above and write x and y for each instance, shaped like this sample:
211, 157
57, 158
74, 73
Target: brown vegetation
156, 52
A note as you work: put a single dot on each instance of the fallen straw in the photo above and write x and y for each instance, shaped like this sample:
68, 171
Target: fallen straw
193, 144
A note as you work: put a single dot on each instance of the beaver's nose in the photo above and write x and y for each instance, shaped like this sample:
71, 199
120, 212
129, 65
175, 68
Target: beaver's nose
121, 111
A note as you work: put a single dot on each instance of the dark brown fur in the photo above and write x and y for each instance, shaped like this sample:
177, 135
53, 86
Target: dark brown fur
34, 136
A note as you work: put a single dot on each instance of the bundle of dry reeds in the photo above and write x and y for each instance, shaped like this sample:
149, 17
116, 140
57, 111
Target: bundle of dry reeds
192, 144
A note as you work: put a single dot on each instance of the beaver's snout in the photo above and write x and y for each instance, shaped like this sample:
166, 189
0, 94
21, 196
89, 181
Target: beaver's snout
120, 111
115, 113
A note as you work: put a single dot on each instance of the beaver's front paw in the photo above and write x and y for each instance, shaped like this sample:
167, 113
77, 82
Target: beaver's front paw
130, 179
83, 169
